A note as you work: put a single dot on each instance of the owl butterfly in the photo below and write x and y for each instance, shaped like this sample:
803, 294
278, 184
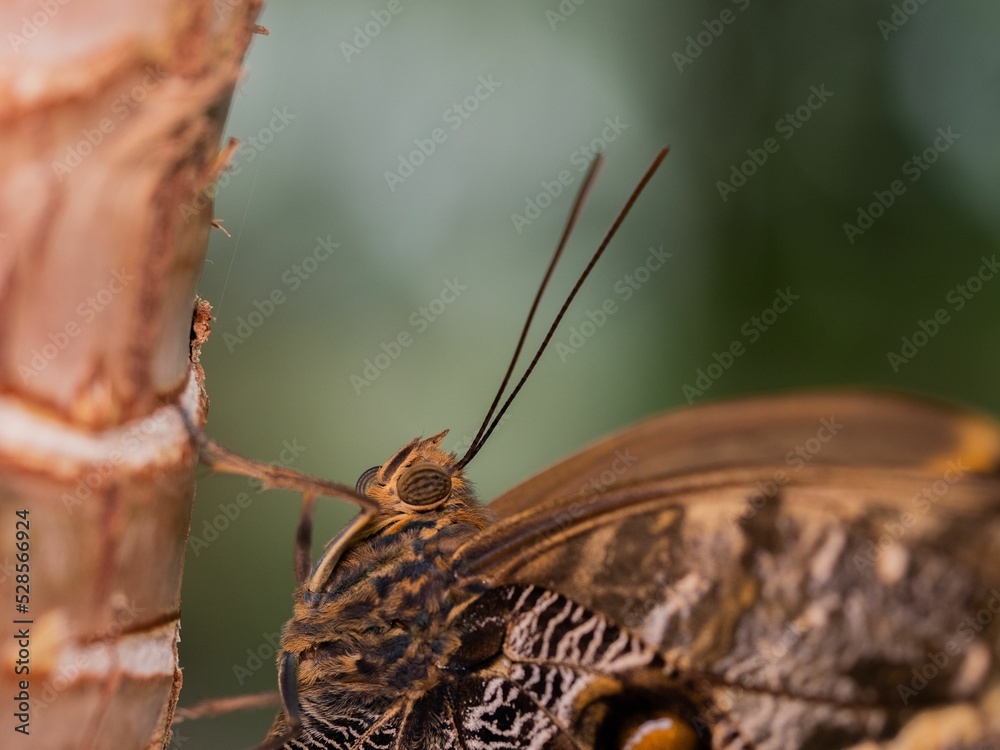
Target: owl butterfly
808, 571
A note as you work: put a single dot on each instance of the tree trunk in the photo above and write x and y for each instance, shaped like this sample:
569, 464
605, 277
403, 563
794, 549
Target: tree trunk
110, 118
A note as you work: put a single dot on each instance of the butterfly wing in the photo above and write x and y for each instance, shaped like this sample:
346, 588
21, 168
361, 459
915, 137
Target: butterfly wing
784, 605
848, 428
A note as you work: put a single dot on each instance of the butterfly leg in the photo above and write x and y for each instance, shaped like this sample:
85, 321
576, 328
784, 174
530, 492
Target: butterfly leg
223, 460
303, 538
221, 706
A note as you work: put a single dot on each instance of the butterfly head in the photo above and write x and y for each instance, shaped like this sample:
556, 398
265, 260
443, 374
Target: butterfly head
420, 477
419, 492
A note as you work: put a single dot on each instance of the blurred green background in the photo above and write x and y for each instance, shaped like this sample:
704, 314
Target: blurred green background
323, 123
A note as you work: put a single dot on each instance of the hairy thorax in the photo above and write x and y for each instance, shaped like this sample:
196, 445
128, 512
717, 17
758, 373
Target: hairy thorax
380, 626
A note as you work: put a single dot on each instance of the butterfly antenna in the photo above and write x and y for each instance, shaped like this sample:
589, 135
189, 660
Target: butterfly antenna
489, 426
574, 213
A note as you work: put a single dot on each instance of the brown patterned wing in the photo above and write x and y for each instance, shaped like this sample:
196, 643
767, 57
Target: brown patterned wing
846, 429
837, 607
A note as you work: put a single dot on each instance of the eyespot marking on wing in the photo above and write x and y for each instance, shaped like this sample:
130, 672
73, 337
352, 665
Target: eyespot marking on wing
663, 733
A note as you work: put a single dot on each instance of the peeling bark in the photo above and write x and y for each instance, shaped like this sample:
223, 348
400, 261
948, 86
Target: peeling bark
111, 115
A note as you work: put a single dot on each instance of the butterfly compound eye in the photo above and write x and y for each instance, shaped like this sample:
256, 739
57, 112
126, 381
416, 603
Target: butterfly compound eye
424, 486
365, 480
